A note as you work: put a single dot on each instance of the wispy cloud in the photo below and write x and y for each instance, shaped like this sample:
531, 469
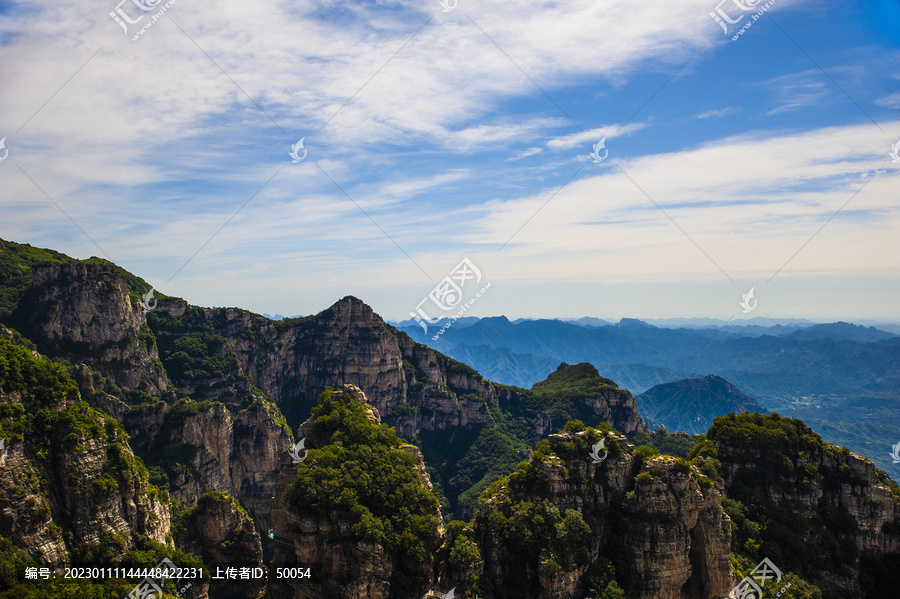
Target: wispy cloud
583, 137
525, 154
889, 101
717, 113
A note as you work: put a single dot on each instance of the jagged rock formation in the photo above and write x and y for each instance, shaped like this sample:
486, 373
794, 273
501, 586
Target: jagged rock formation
560, 526
832, 515
670, 534
69, 483
206, 446
220, 531
344, 565
86, 313
347, 343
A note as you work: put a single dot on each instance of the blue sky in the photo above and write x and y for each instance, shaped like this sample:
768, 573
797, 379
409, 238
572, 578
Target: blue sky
436, 136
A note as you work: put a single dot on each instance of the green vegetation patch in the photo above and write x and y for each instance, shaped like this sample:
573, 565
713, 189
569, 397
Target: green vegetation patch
46, 382
17, 262
766, 454
362, 475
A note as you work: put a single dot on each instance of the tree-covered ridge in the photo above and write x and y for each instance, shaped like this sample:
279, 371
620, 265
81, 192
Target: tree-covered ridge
66, 451
528, 538
17, 263
360, 473
40, 381
565, 391
786, 498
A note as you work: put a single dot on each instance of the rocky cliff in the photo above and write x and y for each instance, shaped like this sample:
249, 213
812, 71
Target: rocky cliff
219, 530
357, 509
71, 489
88, 313
828, 514
559, 525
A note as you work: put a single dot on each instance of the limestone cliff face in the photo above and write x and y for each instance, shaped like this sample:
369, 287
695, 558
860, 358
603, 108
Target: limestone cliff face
220, 531
825, 486
670, 534
84, 312
71, 472
679, 535
207, 446
347, 343
342, 566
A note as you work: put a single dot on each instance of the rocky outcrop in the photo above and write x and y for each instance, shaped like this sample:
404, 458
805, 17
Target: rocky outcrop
347, 343
86, 312
668, 532
220, 531
341, 565
827, 505
70, 482
678, 535
207, 446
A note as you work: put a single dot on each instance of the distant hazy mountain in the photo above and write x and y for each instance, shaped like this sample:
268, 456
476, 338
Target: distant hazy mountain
767, 362
690, 405
842, 330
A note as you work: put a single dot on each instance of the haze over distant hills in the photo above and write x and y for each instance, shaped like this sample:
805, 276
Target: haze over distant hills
841, 378
690, 405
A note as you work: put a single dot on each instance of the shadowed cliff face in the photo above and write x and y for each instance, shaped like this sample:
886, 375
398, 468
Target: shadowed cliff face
86, 314
545, 530
68, 479
830, 513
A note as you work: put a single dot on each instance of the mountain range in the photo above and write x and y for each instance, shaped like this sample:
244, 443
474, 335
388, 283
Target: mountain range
842, 378
137, 431
690, 405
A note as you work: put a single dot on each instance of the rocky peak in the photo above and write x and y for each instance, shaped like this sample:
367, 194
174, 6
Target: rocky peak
664, 528
86, 312
350, 558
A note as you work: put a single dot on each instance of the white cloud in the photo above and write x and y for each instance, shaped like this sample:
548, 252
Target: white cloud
716, 113
525, 154
592, 136
889, 101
